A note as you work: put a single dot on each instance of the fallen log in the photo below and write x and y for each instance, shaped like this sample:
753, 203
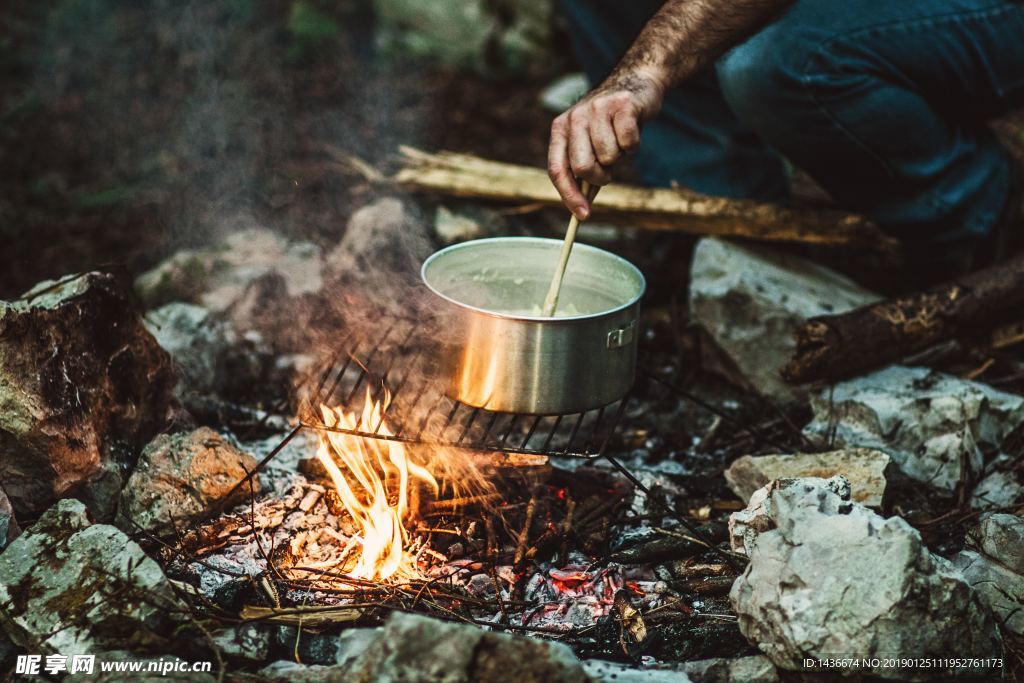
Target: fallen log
835, 347
665, 209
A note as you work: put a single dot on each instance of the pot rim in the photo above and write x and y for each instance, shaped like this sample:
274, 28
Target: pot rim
534, 318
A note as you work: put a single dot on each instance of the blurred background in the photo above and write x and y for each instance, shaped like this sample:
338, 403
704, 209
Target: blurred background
131, 129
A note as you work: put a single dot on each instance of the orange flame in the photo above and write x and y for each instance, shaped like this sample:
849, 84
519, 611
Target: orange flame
373, 478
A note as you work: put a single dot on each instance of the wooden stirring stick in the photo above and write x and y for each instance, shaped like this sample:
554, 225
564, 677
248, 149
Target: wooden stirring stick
551, 300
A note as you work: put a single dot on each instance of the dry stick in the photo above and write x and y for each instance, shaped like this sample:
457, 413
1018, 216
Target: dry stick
524, 535
666, 209
563, 553
551, 300
492, 552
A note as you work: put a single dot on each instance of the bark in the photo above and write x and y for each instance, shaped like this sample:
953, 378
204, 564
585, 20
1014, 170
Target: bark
834, 347
670, 210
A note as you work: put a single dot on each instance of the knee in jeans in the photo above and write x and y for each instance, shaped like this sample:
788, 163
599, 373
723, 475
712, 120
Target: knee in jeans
761, 76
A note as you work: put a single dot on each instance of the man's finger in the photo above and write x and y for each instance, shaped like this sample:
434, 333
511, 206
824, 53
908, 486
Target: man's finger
627, 130
604, 140
581, 154
560, 172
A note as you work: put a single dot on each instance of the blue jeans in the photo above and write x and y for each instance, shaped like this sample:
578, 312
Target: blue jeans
882, 102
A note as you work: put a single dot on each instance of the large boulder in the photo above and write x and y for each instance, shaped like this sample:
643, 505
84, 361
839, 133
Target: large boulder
82, 383
751, 299
829, 578
181, 477
496, 38
70, 587
931, 424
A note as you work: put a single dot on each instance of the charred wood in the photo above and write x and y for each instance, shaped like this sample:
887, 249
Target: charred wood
834, 347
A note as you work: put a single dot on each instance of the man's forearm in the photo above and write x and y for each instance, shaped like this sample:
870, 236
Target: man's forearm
687, 35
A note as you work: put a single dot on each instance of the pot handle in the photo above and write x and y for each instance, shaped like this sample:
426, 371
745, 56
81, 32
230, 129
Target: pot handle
622, 336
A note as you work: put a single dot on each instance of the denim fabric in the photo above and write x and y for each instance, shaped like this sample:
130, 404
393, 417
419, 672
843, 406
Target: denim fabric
883, 102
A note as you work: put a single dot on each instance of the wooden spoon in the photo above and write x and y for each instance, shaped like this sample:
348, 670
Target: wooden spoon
551, 300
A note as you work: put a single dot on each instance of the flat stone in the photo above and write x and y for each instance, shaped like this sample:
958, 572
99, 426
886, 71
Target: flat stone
180, 478
928, 422
863, 468
831, 579
82, 384
751, 300
71, 587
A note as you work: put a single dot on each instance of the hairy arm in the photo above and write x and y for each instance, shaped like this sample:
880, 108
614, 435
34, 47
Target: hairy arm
684, 37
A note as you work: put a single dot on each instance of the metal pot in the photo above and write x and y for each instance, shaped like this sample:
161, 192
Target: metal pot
499, 353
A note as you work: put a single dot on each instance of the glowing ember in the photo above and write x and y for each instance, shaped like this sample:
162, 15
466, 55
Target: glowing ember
375, 479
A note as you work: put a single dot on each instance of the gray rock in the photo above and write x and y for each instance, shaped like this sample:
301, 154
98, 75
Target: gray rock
830, 496
353, 642
862, 467
995, 566
566, 91
180, 477
415, 648
81, 384
504, 38
613, 672
1001, 538
756, 669
451, 227
834, 579
9, 529
250, 642
928, 422
999, 489
68, 586
218, 277
1000, 589
386, 238
211, 356
101, 493
292, 672
750, 300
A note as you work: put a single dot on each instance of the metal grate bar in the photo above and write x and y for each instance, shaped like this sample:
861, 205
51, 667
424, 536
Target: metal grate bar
419, 410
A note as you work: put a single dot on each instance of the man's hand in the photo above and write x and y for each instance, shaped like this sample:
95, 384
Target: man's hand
591, 136
683, 37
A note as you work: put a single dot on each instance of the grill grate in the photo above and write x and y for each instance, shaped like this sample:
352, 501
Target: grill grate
395, 364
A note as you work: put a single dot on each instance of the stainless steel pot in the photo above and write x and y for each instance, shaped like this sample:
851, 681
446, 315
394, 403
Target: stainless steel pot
499, 353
